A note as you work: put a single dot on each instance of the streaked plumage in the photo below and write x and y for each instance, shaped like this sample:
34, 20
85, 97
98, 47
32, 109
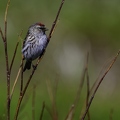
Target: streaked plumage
34, 44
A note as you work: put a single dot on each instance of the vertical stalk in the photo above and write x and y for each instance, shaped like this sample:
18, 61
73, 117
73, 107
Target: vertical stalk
6, 59
7, 73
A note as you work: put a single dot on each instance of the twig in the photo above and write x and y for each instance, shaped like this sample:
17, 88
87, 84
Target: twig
26, 98
21, 85
30, 77
54, 23
8, 81
2, 34
24, 90
42, 111
94, 92
13, 58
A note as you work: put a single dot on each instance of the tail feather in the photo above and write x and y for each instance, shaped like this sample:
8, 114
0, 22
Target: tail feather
27, 65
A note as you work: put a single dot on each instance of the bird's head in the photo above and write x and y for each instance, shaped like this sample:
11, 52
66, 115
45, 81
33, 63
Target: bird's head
37, 28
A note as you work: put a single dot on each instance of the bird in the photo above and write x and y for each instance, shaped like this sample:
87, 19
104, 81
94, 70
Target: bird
34, 44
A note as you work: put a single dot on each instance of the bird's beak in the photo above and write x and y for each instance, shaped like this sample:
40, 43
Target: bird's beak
46, 29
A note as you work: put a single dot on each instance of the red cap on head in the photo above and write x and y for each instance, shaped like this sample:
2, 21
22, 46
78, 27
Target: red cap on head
40, 24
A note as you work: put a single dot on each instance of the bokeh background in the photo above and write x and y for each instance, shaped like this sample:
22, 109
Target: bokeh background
83, 26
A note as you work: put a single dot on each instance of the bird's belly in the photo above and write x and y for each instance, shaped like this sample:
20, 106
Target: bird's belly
33, 52
36, 52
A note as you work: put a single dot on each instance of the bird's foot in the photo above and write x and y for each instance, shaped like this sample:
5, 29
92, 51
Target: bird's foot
34, 67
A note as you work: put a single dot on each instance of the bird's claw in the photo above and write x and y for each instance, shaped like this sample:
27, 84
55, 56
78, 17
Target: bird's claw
34, 67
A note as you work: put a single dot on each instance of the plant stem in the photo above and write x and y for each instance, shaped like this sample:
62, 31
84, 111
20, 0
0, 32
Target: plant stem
100, 81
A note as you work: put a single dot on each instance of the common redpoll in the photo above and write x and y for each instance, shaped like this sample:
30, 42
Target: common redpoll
34, 44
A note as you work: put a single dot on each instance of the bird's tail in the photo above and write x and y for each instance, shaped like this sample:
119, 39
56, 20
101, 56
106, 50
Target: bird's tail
27, 65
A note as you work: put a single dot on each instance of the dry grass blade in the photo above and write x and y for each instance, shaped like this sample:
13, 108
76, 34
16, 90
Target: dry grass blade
33, 102
16, 79
49, 90
6, 11
54, 106
88, 94
105, 65
26, 98
111, 114
96, 88
70, 113
81, 82
52, 98
79, 90
55, 87
42, 111
49, 111
24, 90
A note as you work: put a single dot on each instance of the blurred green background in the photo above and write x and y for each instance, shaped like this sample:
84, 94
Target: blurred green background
83, 26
